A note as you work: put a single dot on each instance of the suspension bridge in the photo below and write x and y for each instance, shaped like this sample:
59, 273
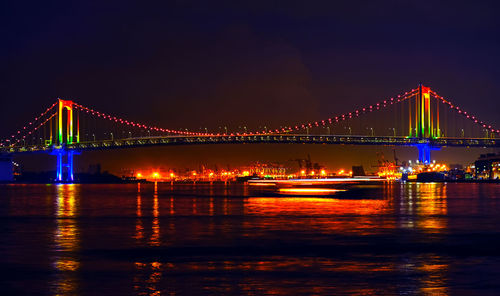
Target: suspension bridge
420, 118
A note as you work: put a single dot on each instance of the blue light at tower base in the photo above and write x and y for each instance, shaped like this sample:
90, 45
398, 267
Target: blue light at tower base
65, 165
424, 153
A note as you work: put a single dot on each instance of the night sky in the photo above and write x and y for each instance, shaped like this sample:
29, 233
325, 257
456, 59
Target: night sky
192, 64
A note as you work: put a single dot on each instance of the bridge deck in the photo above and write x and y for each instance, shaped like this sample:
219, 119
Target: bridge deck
261, 139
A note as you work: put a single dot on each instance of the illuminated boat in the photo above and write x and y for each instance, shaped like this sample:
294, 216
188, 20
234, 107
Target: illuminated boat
309, 187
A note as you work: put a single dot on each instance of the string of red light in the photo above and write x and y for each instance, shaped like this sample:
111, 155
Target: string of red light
465, 114
135, 124
33, 130
332, 120
11, 139
346, 116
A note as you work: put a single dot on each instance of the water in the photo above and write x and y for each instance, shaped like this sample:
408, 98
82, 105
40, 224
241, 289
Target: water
392, 239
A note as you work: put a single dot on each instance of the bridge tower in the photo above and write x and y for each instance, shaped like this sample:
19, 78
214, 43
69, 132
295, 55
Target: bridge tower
427, 123
65, 135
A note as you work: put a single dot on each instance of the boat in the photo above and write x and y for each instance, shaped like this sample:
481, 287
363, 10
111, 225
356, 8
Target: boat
309, 187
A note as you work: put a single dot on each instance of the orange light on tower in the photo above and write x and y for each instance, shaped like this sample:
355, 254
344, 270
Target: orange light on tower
425, 124
68, 105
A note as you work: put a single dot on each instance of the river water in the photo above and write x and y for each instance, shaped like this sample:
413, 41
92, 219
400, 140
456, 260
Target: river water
389, 239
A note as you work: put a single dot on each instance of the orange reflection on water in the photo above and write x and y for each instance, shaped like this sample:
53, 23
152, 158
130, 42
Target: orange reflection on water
315, 206
66, 240
211, 206
139, 228
425, 206
327, 215
433, 206
172, 209
432, 210
434, 270
148, 277
150, 284
155, 236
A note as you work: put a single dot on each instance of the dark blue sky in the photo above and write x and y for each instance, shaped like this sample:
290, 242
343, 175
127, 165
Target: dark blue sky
210, 63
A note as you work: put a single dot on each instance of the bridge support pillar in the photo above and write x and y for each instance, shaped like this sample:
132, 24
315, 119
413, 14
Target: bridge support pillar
6, 169
64, 168
424, 153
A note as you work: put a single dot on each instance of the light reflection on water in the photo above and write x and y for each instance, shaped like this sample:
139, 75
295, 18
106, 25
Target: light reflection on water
158, 239
423, 206
66, 240
430, 201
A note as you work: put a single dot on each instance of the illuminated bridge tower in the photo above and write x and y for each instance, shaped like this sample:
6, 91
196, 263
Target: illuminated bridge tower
426, 123
66, 134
